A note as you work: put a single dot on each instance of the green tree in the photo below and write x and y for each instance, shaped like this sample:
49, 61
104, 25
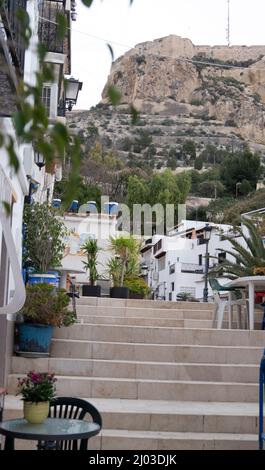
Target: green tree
198, 163
210, 188
44, 241
188, 150
137, 191
236, 168
83, 192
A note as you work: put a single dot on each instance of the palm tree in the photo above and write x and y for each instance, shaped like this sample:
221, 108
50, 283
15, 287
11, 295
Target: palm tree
90, 249
246, 260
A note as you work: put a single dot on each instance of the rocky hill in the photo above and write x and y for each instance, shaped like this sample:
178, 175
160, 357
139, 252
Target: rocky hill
208, 95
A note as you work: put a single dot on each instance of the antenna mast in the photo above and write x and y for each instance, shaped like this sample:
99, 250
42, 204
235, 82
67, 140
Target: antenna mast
228, 23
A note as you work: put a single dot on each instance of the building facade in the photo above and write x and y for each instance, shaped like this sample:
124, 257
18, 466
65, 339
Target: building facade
33, 180
176, 263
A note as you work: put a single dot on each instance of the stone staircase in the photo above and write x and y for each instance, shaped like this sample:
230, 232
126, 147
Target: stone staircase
161, 377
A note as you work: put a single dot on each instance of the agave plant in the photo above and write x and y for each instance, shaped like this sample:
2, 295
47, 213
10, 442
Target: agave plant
245, 260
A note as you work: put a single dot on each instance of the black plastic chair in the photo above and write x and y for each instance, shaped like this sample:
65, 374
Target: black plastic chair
71, 408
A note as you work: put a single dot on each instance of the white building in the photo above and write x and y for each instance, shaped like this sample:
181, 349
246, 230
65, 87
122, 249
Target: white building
30, 180
176, 263
81, 227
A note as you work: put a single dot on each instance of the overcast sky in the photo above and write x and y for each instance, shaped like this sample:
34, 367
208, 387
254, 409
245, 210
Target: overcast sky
114, 21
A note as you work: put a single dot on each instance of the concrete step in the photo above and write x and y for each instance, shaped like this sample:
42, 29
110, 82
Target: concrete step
149, 321
139, 370
161, 313
146, 440
155, 352
161, 335
137, 321
141, 312
142, 389
165, 416
154, 304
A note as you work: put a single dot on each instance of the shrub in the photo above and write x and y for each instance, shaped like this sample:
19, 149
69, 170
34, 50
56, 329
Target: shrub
47, 306
137, 285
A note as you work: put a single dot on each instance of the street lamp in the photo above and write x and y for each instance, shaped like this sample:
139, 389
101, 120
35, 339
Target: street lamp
73, 87
39, 160
206, 235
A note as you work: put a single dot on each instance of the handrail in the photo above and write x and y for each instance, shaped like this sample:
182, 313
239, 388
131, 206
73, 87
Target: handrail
19, 297
261, 400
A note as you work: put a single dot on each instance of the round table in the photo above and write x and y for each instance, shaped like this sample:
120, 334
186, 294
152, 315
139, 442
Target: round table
52, 429
64, 271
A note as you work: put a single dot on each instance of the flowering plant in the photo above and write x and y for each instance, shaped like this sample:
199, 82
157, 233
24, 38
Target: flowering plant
37, 386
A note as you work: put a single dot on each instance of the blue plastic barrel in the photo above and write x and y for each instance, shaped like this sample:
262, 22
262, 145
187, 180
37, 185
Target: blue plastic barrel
111, 208
74, 206
43, 278
92, 207
56, 203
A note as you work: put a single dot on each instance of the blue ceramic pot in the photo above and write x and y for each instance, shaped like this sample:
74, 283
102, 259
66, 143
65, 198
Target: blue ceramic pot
34, 337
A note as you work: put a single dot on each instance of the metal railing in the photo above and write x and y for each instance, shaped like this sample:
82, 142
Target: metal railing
261, 400
48, 25
9, 14
192, 268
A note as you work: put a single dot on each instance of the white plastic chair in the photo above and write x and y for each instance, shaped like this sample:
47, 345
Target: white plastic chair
221, 304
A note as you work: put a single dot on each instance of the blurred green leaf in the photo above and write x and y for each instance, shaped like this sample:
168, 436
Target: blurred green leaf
13, 159
62, 25
114, 95
20, 121
24, 21
87, 3
42, 50
7, 207
111, 52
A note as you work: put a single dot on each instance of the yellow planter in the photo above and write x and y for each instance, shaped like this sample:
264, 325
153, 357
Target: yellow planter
36, 413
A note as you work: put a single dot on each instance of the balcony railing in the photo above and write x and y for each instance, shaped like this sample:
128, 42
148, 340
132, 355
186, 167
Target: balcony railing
16, 45
48, 31
192, 268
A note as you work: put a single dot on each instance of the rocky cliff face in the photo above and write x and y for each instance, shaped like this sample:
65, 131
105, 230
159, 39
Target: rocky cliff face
172, 76
211, 95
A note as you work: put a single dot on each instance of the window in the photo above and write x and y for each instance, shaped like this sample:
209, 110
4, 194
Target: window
200, 260
46, 98
172, 269
221, 257
161, 263
172, 286
170, 296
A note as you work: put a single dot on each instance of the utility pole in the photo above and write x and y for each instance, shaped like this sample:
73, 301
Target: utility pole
228, 23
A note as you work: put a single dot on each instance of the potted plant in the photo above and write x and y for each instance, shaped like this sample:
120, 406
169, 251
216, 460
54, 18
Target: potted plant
37, 390
44, 309
43, 242
138, 288
124, 263
90, 249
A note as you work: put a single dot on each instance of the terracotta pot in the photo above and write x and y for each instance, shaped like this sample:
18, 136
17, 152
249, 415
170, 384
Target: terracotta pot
36, 413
